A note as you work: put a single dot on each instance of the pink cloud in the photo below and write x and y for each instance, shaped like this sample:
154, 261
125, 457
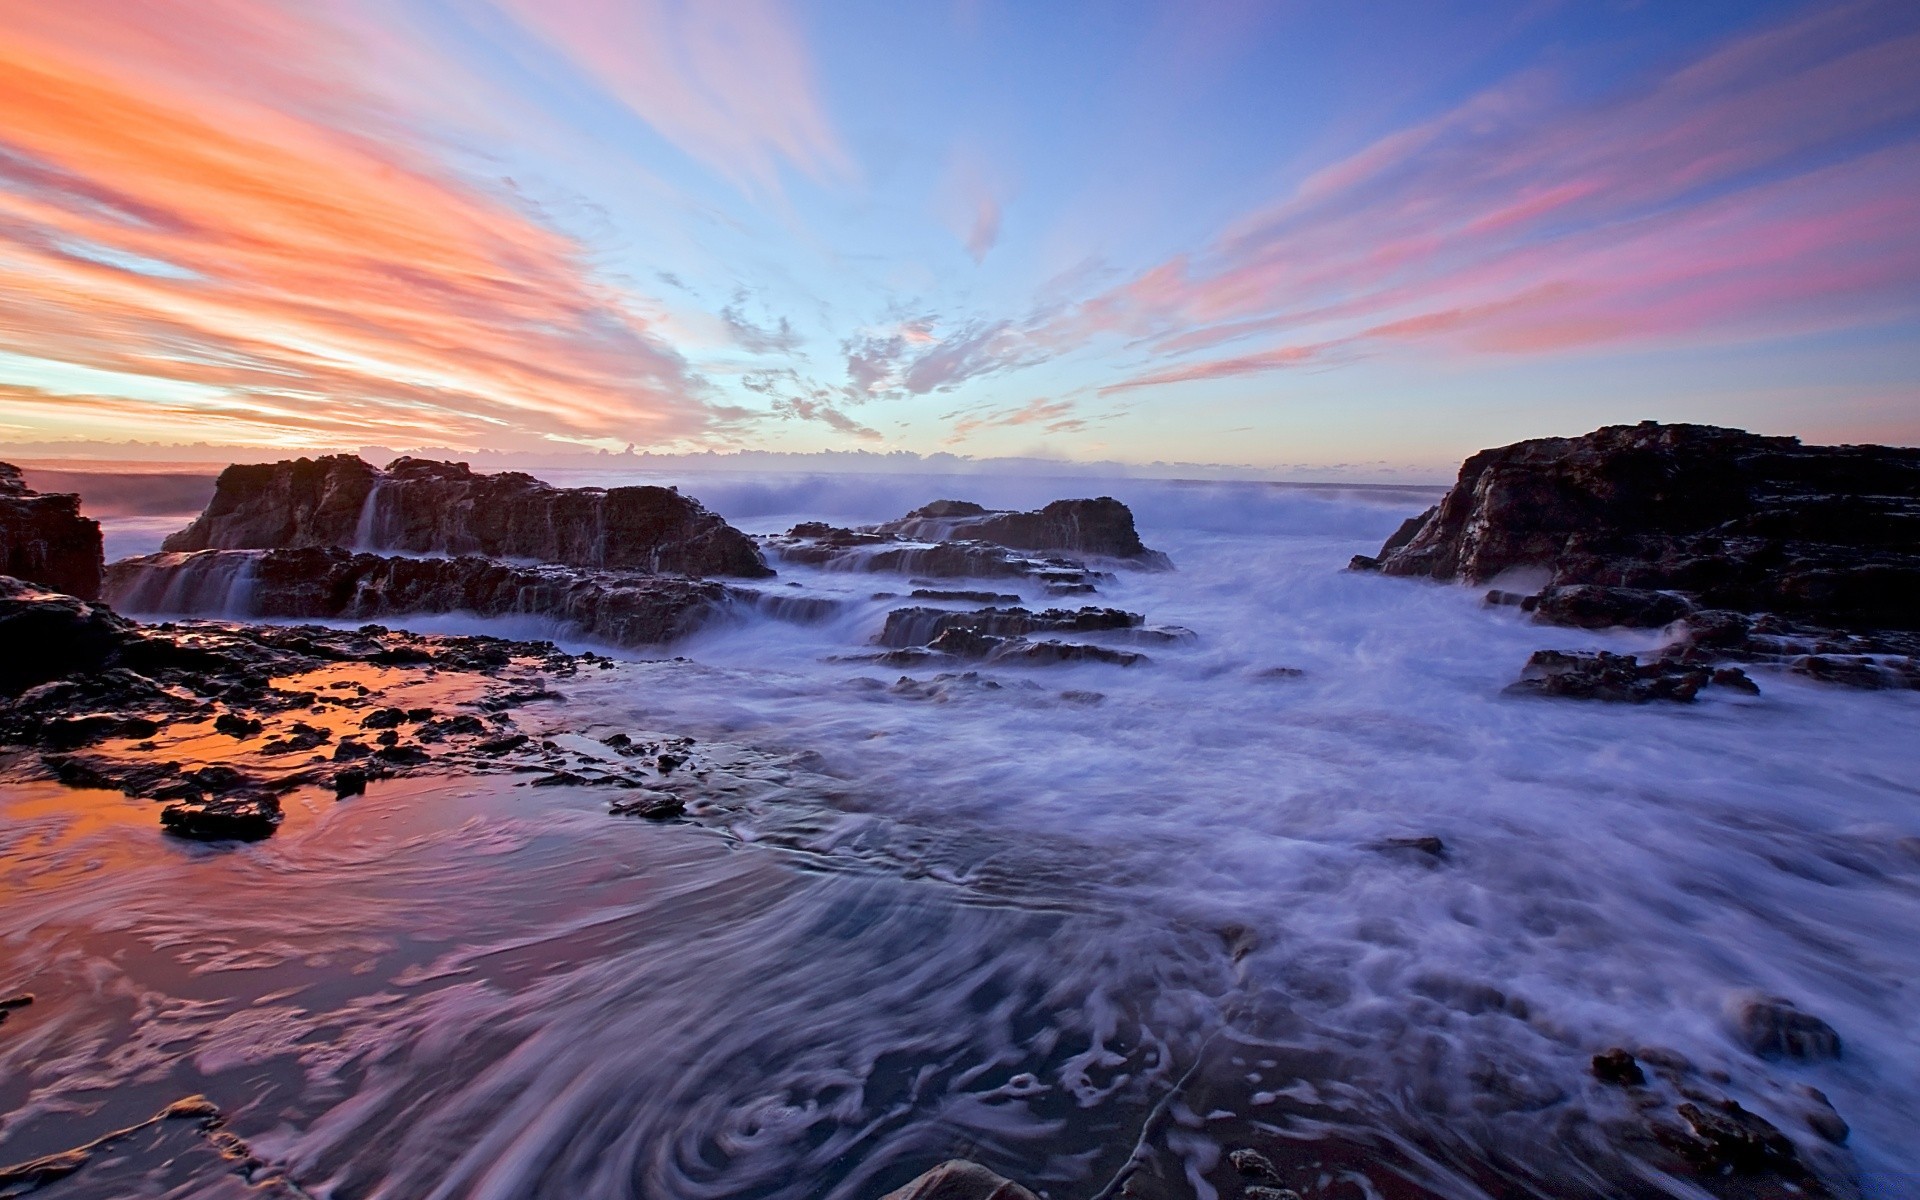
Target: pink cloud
263, 234
1769, 187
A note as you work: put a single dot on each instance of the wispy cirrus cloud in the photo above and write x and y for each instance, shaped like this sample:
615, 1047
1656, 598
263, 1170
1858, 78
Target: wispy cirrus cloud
1770, 187
1053, 416
283, 248
730, 84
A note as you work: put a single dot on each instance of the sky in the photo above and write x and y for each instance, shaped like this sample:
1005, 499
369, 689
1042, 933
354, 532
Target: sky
1289, 235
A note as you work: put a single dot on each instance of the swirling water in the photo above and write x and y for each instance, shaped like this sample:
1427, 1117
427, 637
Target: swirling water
999, 915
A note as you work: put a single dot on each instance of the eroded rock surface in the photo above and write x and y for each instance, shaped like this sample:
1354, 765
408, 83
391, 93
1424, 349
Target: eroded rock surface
219, 722
1728, 519
618, 608
418, 506
44, 540
1101, 527
957, 539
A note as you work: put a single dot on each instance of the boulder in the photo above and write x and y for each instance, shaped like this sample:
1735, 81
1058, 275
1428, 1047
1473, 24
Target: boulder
419, 506
1774, 1028
1728, 519
44, 539
50, 635
958, 1179
1593, 606
328, 583
1101, 527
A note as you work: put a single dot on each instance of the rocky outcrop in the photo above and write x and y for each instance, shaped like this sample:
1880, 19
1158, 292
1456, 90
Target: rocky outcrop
45, 540
922, 635
1101, 527
1726, 519
621, 609
417, 506
919, 626
1622, 678
957, 539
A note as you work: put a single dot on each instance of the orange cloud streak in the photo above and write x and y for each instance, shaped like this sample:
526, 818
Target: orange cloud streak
318, 281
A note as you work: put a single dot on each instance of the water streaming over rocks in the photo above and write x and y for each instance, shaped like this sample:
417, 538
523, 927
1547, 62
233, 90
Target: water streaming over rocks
1373, 917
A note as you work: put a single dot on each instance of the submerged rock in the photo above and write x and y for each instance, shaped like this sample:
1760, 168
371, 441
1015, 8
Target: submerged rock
1773, 1028
418, 506
44, 540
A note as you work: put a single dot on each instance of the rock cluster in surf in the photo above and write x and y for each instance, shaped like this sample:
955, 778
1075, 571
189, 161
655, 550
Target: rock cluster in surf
45, 540
923, 635
1753, 549
1056, 545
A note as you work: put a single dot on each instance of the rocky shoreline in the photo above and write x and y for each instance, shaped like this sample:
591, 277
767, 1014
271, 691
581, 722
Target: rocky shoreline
1745, 549
1747, 552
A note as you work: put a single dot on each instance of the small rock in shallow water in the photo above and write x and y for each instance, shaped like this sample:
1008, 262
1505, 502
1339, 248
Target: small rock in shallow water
1725, 1137
350, 783
657, 806
1252, 1164
1617, 1067
1430, 846
1773, 1028
1735, 679
234, 725
239, 818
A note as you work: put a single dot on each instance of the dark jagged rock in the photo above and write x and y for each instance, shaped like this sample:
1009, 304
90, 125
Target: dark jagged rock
958, 1179
1593, 606
1604, 676
1102, 527
330, 583
230, 818
1731, 519
1618, 1067
48, 635
1724, 1138
957, 539
921, 626
417, 506
44, 539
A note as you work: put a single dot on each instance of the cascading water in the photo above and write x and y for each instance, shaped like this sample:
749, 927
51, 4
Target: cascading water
204, 583
370, 530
